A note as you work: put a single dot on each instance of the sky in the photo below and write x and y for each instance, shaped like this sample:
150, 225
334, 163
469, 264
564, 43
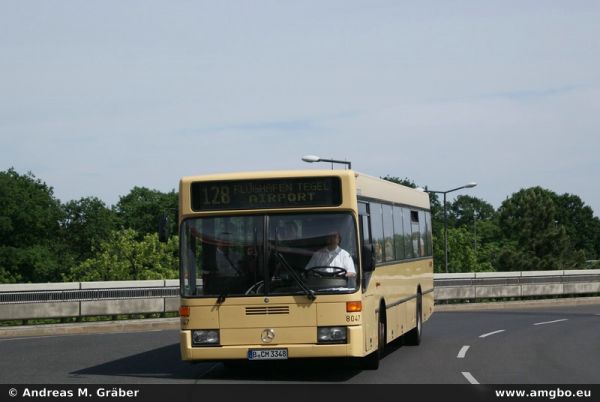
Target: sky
97, 97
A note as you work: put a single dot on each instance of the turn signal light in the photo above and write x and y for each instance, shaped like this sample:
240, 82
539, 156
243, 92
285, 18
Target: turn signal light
353, 306
184, 311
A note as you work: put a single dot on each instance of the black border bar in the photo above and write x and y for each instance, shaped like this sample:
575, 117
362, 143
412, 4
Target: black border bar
295, 392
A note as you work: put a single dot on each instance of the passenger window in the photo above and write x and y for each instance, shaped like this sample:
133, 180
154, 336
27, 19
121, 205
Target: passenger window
429, 241
416, 236
423, 232
377, 230
407, 234
398, 234
388, 232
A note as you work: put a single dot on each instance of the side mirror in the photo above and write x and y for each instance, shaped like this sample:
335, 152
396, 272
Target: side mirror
368, 258
163, 228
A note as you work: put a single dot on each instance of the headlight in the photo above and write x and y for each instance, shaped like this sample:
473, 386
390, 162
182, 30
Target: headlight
205, 337
331, 334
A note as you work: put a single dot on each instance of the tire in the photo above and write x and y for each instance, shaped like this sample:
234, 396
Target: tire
371, 361
413, 337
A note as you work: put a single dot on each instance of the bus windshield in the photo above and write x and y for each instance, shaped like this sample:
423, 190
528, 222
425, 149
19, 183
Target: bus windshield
256, 255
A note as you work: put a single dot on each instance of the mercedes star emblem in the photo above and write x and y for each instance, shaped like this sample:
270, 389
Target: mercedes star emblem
267, 335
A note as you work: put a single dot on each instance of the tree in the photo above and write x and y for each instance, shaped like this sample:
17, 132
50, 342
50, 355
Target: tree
581, 225
461, 253
479, 218
466, 211
404, 182
29, 230
141, 208
487, 244
533, 237
123, 257
86, 222
597, 238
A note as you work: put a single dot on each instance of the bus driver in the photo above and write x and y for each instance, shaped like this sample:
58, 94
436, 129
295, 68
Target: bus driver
332, 255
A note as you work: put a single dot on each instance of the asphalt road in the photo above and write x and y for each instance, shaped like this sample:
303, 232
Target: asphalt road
554, 345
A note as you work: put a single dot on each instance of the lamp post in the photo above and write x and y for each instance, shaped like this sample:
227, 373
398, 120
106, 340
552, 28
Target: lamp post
468, 185
315, 158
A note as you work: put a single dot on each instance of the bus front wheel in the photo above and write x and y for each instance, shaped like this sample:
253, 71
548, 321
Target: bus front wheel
371, 361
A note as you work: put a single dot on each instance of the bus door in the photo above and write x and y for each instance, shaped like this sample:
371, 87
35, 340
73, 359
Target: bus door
366, 243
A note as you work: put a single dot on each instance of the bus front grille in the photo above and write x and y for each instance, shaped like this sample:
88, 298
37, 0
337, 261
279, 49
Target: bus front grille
269, 310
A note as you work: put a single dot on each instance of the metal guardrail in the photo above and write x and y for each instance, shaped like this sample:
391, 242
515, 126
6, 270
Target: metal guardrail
80, 299
500, 285
85, 295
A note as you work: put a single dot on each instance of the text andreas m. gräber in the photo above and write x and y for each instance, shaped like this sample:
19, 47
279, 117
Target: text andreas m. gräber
47, 393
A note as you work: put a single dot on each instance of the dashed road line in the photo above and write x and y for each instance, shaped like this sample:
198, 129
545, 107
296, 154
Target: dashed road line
470, 378
463, 352
492, 333
550, 322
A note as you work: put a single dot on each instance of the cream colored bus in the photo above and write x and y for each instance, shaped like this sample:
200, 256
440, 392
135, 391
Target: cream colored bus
300, 264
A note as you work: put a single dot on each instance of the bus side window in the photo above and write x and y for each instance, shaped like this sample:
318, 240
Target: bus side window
416, 235
376, 220
368, 255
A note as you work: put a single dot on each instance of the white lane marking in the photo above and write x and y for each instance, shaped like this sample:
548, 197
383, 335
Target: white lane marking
492, 333
25, 337
550, 322
470, 377
21, 338
463, 352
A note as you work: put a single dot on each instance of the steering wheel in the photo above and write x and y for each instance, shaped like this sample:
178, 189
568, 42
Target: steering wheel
256, 288
325, 271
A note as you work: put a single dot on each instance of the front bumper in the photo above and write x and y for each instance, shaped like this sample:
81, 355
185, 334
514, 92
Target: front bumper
354, 348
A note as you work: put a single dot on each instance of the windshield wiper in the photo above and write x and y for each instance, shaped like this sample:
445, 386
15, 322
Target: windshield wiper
310, 294
222, 298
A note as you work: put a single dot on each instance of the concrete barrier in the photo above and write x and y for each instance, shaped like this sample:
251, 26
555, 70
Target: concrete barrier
78, 299
62, 300
115, 307
32, 311
499, 285
172, 304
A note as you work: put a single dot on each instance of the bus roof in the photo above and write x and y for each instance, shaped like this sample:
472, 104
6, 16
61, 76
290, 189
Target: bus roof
385, 190
268, 174
367, 186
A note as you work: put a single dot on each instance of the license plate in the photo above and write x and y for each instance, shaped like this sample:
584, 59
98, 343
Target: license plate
267, 354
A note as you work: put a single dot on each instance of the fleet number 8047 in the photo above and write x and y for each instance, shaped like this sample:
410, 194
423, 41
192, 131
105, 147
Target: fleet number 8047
353, 318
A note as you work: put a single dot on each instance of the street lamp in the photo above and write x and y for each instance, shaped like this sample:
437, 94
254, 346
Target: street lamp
315, 158
468, 185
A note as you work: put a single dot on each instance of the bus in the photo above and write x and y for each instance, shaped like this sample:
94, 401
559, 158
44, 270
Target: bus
302, 264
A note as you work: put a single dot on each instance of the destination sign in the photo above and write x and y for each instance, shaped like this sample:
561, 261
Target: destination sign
266, 193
